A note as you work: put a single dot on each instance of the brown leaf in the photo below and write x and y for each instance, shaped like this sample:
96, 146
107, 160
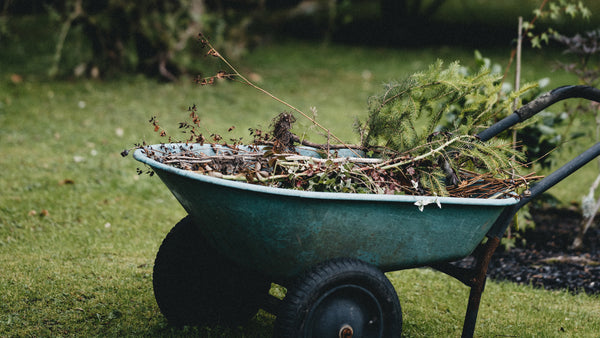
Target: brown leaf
66, 181
213, 52
16, 78
221, 74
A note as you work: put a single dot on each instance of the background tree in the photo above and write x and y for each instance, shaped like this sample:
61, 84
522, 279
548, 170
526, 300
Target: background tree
129, 36
154, 37
403, 12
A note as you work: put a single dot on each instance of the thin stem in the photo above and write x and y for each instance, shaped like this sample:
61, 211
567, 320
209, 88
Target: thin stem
214, 52
430, 153
513, 52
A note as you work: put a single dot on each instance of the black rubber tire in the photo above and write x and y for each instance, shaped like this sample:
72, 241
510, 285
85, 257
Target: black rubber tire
194, 285
341, 292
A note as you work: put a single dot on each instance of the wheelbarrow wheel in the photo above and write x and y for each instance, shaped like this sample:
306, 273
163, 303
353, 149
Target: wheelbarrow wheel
195, 285
340, 298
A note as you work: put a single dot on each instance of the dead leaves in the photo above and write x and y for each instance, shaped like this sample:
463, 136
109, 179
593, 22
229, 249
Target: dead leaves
42, 213
221, 75
488, 185
66, 181
350, 175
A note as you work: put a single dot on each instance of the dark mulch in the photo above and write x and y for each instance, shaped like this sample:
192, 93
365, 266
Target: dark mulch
544, 259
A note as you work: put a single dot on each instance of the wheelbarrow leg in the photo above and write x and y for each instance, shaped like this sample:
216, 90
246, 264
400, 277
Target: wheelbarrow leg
478, 285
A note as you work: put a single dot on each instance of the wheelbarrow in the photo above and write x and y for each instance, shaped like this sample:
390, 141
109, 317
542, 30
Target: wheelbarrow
329, 250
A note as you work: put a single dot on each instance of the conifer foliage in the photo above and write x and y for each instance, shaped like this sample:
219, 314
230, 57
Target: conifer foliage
408, 112
433, 117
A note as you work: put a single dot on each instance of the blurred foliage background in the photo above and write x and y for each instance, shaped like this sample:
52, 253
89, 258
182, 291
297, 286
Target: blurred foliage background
80, 78
157, 37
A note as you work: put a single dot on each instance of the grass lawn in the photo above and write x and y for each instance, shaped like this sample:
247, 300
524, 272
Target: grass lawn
79, 229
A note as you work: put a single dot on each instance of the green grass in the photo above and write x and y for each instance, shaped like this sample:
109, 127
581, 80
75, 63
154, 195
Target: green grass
85, 268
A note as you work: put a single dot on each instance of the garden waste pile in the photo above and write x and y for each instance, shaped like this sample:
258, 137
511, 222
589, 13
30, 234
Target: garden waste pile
420, 138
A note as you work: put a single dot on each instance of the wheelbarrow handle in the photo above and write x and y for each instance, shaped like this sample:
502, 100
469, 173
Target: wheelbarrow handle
539, 104
477, 278
525, 112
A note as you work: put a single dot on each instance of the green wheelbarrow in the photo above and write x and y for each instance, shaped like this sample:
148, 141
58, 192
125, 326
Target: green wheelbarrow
329, 250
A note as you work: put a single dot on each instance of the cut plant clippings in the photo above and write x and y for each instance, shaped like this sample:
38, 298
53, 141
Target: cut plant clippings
409, 144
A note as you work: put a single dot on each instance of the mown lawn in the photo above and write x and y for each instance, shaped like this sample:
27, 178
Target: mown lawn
79, 229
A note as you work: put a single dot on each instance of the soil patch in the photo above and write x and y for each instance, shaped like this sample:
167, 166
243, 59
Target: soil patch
544, 258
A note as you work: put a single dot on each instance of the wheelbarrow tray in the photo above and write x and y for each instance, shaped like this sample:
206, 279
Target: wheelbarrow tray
281, 232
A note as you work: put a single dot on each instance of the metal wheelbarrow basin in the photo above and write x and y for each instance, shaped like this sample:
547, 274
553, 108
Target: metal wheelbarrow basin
282, 232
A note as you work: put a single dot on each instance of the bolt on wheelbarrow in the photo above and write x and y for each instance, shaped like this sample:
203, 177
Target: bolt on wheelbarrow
329, 250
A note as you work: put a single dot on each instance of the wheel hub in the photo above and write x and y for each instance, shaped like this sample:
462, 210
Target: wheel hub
346, 331
345, 311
